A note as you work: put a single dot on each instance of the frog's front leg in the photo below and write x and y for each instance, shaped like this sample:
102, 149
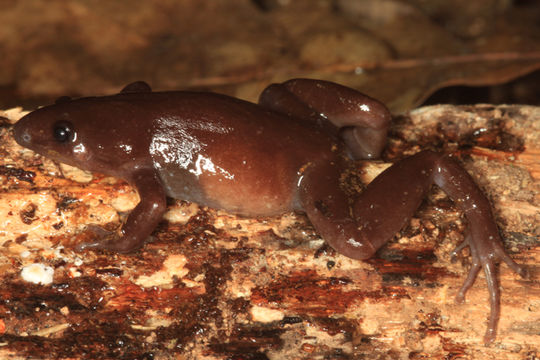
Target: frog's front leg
391, 199
142, 220
362, 120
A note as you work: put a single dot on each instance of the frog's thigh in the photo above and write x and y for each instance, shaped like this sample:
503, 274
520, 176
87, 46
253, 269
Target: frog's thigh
364, 121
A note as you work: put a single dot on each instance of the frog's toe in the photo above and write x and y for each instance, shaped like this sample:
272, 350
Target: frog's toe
520, 269
105, 240
115, 245
469, 281
98, 231
457, 250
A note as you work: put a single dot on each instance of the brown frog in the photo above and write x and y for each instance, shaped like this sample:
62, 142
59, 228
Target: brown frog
285, 153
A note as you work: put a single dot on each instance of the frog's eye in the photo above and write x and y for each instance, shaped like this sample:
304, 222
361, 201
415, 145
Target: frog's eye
63, 131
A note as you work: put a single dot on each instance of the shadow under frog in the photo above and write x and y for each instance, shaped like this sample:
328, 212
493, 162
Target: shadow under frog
285, 153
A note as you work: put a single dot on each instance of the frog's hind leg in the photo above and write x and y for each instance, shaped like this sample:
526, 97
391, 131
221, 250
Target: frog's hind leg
378, 213
388, 203
363, 121
391, 199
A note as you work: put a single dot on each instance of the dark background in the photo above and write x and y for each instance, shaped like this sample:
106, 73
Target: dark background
398, 51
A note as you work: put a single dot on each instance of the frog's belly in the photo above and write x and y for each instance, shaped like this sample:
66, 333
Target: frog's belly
261, 190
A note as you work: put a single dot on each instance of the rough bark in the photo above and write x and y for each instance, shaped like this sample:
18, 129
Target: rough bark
214, 286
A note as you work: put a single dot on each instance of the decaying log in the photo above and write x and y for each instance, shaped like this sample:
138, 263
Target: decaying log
211, 285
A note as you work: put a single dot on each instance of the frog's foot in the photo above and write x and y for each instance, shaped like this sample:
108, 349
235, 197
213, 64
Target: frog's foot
487, 259
114, 245
105, 240
495, 255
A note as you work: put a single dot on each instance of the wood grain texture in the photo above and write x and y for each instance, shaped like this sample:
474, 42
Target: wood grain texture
214, 286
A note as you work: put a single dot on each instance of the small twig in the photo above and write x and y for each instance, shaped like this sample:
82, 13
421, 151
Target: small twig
363, 66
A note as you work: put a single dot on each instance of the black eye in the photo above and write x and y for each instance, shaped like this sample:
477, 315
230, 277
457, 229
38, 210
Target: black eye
63, 131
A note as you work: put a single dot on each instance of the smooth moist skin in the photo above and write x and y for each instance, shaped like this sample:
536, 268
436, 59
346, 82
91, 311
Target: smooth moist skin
285, 153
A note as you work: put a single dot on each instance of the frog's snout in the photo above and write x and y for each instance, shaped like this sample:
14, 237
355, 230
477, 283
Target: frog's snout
21, 134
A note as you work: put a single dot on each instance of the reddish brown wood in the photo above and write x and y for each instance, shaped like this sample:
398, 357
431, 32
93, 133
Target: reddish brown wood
215, 286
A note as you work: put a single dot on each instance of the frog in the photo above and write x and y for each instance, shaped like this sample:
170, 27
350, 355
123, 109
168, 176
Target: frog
287, 152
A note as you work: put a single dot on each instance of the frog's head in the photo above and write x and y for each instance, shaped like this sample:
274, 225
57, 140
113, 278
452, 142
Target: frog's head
90, 133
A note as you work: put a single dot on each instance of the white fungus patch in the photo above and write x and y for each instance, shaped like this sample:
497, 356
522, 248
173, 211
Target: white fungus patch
38, 274
263, 314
